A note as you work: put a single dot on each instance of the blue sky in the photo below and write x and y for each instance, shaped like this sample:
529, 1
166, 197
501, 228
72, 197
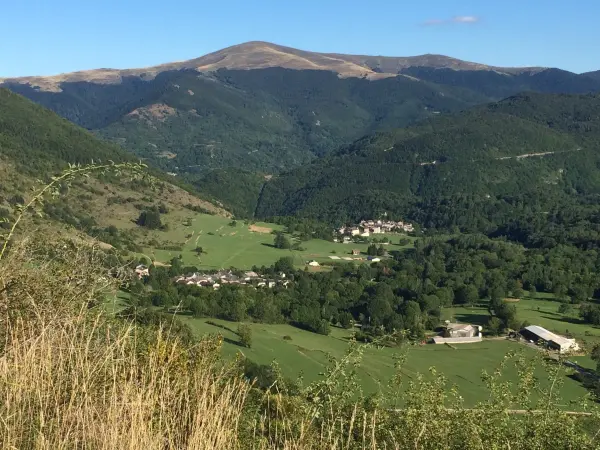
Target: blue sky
46, 37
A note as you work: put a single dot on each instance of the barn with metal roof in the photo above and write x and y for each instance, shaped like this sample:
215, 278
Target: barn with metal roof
554, 341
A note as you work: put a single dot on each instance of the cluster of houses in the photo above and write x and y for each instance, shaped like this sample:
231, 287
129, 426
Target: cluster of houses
367, 227
225, 277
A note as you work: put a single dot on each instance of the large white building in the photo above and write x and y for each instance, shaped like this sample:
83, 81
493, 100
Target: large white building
554, 341
459, 333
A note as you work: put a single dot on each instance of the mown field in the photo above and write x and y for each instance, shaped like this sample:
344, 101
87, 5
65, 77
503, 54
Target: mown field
241, 246
307, 354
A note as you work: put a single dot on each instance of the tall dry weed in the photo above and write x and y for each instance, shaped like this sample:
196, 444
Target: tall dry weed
72, 376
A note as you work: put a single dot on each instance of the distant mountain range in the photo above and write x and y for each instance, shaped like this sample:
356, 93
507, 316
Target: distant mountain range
268, 108
262, 55
595, 75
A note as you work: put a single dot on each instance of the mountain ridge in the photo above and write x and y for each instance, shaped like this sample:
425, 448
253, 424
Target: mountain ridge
259, 55
595, 74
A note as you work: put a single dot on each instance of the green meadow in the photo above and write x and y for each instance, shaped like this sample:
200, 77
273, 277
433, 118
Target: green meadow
306, 354
241, 246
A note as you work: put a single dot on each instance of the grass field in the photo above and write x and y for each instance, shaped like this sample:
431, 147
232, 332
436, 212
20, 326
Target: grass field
307, 354
237, 246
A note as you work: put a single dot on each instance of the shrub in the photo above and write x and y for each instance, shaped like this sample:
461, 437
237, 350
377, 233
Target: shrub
245, 334
150, 219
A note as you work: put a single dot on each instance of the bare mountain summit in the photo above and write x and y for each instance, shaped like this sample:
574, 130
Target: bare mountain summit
260, 55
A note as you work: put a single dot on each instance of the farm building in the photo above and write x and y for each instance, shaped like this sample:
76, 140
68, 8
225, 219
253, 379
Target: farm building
554, 341
458, 330
313, 263
459, 333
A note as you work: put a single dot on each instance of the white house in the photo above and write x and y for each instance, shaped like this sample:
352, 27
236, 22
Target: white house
313, 263
457, 330
142, 271
459, 333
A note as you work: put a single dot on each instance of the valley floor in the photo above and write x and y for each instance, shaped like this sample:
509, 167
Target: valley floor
306, 354
241, 246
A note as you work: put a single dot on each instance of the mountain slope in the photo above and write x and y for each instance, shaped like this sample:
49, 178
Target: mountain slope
38, 140
266, 120
279, 115
595, 75
35, 144
528, 145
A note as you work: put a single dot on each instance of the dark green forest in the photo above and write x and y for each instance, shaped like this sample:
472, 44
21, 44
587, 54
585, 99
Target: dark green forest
526, 161
270, 120
39, 141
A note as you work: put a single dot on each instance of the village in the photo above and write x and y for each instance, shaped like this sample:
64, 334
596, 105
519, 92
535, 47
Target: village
368, 227
220, 278
228, 277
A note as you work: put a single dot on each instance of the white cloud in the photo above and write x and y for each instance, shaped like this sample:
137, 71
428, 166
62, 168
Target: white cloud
455, 19
465, 19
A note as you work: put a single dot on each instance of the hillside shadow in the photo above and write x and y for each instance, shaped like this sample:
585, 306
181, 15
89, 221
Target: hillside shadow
218, 325
572, 320
475, 319
233, 342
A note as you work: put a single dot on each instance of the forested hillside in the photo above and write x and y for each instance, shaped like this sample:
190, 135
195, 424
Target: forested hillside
36, 144
274, 119
267, 120
38, 140
237, 189
476, 170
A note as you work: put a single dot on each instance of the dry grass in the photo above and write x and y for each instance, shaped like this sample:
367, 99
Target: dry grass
82, 385
73, 377
259, 229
